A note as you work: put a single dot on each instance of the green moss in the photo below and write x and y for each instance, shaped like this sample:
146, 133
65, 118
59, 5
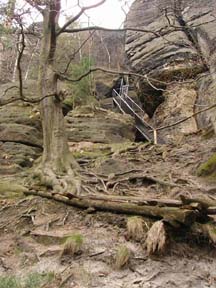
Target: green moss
208, 168
9, 189
77, 238
119, 148
91, 154
69, 102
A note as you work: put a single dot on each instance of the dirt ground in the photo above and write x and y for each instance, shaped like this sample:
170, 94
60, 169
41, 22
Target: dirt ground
32, 229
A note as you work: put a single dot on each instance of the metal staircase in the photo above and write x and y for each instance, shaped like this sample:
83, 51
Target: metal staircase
128, 106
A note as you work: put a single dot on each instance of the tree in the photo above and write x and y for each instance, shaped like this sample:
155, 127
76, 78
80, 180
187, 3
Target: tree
57, 169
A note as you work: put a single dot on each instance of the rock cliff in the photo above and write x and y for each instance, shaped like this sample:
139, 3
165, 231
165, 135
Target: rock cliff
21, 131
179, 47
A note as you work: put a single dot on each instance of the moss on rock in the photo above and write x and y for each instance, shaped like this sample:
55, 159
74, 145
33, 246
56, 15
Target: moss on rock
208, 168
10, 189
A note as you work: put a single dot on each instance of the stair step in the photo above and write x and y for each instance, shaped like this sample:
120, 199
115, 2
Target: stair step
128, 105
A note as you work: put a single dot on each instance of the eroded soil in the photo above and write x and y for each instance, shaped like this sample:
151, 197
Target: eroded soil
32, 229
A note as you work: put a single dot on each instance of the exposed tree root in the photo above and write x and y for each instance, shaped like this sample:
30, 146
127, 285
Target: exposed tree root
59, 181
107, 182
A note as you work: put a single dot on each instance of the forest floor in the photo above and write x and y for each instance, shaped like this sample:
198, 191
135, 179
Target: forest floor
33, 229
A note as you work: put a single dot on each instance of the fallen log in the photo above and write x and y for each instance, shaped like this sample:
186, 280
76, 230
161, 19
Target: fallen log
183, 216
204, 201
136, 200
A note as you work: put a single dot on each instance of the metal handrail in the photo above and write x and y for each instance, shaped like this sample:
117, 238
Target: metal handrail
122, 95
119, 106
137, 115
135, 104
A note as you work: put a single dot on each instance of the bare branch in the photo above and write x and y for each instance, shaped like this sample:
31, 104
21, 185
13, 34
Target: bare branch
187, 118
75, 30
124, 73
4, 102
20, 48
152, 85
8, 89
35, 5
77, 51
76, 17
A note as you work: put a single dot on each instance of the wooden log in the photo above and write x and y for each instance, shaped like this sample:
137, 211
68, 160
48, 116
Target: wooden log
183, 216
205, 201
138, 200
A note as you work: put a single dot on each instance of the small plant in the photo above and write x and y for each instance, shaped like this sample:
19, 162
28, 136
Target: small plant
73, 245
135, 228
122, 257
9, 282
81, 90
35, 279
32, 280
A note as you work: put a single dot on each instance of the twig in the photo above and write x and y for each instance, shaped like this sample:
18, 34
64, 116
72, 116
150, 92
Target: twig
185, 119
64, 281
76, 17
126, 73
75, 52
25, 99
97, 253
65, 218
20, 48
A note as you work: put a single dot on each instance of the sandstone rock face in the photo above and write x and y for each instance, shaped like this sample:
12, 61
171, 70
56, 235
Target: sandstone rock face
167, 49
20, 134
20, 139
206, 97
180, 46
179, 102
99, 126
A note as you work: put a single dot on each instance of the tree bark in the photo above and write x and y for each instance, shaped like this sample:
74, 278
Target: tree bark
56, 163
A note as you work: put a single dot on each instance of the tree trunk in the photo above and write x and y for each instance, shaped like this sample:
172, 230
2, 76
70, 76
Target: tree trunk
56, 163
